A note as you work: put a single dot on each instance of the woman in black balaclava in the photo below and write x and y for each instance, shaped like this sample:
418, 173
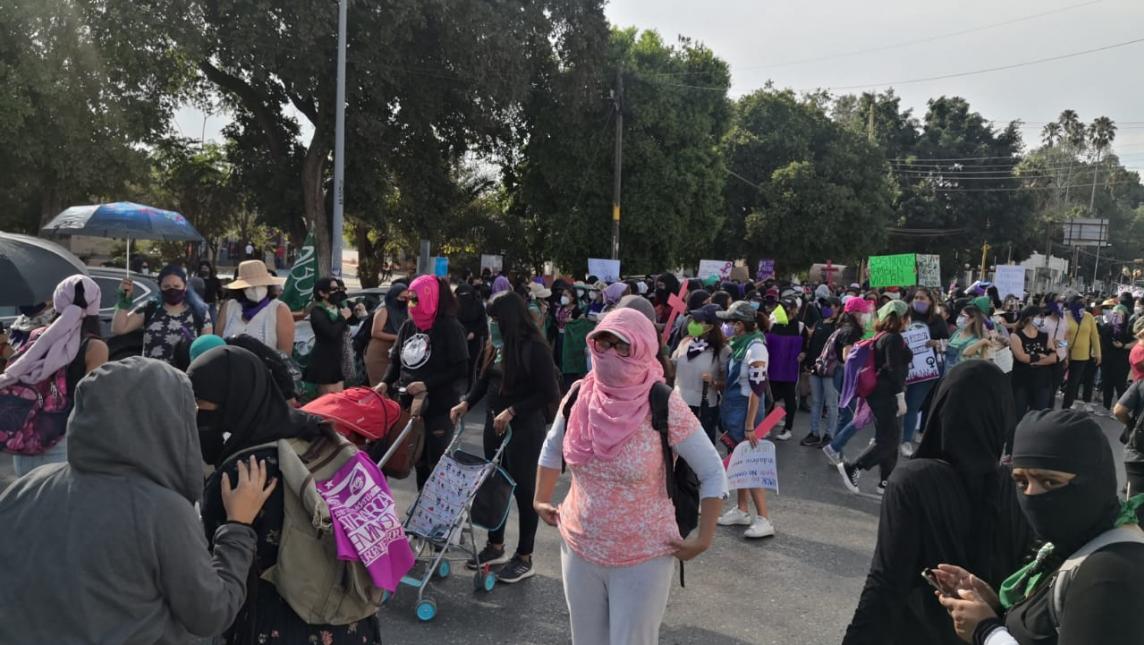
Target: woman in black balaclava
1086, 584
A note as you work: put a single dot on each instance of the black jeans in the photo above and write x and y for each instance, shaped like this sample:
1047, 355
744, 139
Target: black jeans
1058, 377
1080, 373
788, 394
438, 434
887, 435
1030, 397
519, 460
1114, 370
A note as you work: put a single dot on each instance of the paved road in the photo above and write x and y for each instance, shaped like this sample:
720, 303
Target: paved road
799, 587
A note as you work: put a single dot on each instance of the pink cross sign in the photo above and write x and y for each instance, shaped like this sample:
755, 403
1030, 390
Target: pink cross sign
678, 305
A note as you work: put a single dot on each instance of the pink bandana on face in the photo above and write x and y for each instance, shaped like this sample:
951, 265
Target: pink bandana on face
613, 399
428, 294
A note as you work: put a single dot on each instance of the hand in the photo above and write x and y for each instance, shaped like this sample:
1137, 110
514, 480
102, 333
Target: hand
967, 610
706, 377
457, 412
1097, 359
547, 512
381, 388
936, 344
470, 336
691, 547
801, 356
751, 437
127, 287
416, 388
901, 404
952, 576
345, 312
501, 421
243, 502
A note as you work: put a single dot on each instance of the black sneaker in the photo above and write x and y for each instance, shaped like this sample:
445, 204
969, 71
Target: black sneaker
811, 441
489, 555
849, 476
516, 570
826, 439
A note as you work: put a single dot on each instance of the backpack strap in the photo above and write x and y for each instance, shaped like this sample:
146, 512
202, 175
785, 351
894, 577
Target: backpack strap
570, 400
659, 397
1061, 579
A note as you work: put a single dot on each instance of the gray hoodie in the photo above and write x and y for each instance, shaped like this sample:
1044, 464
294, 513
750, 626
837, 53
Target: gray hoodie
108, 548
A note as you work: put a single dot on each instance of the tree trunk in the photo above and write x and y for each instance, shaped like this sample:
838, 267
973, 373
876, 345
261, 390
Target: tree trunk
369, 266
314, 202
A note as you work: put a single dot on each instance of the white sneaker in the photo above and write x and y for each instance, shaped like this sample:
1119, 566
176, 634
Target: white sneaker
735, 517
782, 435
832, 455
907, 449
760, 528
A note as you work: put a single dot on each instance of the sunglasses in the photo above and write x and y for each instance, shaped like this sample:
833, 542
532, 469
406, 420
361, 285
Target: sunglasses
604, 343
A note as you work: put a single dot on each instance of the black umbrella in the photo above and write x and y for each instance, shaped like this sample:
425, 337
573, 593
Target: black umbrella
30, 269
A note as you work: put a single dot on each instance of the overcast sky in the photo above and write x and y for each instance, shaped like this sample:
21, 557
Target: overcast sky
774, 40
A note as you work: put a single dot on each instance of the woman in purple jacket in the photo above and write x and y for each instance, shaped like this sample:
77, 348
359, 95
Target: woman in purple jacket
785, 342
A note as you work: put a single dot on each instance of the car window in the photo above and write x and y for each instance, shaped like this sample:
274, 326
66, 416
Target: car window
6, 312
108, 288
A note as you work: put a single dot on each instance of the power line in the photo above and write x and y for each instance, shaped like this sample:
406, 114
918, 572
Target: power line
1027, 188
906, 43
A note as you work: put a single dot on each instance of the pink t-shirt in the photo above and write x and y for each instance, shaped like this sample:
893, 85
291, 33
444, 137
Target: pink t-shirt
617, 512
1136, 357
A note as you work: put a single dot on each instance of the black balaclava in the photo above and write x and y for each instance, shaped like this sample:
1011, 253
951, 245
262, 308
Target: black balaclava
1070, 442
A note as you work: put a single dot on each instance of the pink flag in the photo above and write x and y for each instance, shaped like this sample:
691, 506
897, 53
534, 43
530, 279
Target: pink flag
366, 524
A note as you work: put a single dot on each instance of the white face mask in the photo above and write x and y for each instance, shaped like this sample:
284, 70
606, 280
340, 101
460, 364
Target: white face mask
593, 295
1139, 310
962, 322
565, 300
1039, 323
255, 294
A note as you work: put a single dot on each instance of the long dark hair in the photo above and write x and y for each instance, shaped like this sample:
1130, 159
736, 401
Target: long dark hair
447, 304
517, 330
930, 314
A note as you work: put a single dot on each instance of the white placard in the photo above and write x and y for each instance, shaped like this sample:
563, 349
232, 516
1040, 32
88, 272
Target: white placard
753, 467
494, 263
1009, 280
719, 268
606, 270
924, 366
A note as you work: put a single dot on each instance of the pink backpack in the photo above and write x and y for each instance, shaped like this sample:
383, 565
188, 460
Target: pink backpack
34, 418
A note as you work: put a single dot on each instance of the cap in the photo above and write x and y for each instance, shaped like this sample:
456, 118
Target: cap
539, 291
741, 311
707, 314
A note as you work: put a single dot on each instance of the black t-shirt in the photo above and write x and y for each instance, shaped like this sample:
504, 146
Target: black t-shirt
817, 342
1035, 348
439, 358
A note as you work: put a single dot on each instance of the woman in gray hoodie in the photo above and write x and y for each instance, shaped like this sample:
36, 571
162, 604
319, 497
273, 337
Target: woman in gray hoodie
108, 548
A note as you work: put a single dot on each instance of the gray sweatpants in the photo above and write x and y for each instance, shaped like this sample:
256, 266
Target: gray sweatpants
615, 605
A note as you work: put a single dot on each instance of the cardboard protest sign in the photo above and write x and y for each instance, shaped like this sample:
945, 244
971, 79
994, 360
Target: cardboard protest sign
924, 366
719, 268
494, 263
606, 270
740, 274
929, 270
753, 467
1010, 281
893, 270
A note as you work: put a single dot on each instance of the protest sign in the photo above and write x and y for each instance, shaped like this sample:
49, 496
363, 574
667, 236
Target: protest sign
766, 270
719, 268
1010, 281
1136, 292
606, 270
929, 270
753, 467
494, 263
827, 273
893, 270
924, 366
740, 274
441, 266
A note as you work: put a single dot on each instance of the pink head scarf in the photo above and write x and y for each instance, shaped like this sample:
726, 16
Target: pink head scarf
613, 399
428, 299
58, 345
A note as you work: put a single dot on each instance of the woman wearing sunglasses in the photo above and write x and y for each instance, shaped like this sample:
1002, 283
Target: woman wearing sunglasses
620, 538
431, 348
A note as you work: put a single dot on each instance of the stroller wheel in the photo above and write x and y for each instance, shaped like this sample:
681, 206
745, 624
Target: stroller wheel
427, 610
485, 581
444, 569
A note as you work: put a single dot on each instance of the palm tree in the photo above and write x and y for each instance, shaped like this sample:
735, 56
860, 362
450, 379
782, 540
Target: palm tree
1101, 134
1074, 135
1051, 134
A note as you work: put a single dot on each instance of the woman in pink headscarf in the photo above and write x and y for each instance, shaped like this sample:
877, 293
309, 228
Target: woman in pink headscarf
73, 343
620, 538
431, 348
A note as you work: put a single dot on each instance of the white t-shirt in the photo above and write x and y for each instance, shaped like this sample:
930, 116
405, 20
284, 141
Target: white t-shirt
756, 352
689, 373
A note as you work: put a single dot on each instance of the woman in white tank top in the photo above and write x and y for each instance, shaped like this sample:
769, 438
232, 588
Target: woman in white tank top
255, 312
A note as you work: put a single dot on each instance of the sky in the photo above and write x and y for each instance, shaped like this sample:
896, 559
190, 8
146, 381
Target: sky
826, 43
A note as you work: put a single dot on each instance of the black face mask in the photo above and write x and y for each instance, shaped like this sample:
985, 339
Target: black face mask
1065, 516
208, 421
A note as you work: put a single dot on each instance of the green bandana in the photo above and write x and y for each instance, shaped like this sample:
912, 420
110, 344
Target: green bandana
1021, 584
739, 344
331, 310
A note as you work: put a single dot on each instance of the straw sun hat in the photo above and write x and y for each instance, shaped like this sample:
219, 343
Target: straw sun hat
253, 273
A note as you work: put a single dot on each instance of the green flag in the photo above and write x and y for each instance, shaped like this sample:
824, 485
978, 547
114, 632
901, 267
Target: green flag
299, 288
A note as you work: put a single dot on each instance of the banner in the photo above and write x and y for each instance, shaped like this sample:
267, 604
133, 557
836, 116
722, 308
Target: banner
1010, 281
606, 270
753, 467
719, 268
298, 291
893, 270
766, 270
1136, 292
441, 266
929, 271
494, 263
924, 366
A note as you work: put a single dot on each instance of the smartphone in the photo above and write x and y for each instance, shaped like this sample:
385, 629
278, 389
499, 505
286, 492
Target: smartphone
932, 580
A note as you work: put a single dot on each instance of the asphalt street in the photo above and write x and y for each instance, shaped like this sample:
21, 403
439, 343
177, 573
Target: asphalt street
800, 586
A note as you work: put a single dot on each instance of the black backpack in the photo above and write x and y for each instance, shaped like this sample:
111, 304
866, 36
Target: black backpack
364, 334
682, 483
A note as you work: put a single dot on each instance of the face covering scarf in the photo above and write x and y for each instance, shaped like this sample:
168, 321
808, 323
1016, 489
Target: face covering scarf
428, 293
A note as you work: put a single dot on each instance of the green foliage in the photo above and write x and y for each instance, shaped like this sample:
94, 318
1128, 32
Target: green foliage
808, 188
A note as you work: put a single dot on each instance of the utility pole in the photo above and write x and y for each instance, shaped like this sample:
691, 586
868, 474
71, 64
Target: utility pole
984, 251
618, 104
338, 224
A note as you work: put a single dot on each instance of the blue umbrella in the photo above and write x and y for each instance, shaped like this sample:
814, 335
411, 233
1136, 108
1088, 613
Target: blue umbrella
124, 220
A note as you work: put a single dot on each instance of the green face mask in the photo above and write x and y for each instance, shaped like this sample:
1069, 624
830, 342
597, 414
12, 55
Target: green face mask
494, 334
695, 329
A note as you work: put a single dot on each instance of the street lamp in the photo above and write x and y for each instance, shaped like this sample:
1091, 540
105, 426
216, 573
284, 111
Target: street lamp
338, 223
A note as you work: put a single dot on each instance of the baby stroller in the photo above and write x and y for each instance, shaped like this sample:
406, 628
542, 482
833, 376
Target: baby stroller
463, 491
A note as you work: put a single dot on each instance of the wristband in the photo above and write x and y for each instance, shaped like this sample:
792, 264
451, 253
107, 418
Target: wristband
985, 628
124, 301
